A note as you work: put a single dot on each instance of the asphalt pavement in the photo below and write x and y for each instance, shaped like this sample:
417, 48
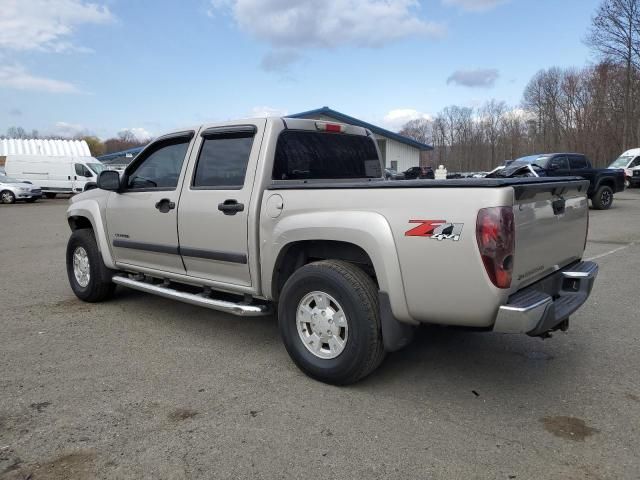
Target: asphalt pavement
144, 387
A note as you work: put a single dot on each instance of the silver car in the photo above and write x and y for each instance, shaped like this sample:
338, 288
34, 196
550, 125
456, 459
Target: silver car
12, 190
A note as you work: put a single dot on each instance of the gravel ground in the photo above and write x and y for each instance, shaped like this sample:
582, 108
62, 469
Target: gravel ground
143, 387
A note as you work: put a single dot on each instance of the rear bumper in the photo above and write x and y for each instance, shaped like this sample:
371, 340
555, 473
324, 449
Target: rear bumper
547, 304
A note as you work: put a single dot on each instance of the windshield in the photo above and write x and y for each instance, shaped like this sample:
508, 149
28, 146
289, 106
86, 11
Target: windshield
96, 167
540, 160
621, 162
4, 179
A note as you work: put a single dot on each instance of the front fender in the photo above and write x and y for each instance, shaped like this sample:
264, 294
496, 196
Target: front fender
367, 230
90, 208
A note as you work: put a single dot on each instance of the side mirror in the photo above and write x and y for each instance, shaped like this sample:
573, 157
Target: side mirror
109, 180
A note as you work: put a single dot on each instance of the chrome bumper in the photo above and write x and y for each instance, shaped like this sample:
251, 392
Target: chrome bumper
545, 305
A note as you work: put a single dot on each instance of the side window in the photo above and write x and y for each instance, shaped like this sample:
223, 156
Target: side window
578, 162
161, 166
222, 161
635, 163
559, 163
82, 171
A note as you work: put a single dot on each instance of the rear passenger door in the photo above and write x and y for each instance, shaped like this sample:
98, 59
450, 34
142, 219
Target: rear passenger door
558, 166
214, 208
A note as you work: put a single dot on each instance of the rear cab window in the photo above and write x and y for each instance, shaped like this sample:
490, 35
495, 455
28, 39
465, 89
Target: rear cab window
308, 155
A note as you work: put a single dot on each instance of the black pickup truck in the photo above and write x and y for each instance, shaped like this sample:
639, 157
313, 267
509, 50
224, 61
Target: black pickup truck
603, 182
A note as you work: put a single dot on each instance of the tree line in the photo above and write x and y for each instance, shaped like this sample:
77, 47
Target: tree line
593, 110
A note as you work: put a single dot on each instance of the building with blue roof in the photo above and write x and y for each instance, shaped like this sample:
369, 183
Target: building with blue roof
398, 152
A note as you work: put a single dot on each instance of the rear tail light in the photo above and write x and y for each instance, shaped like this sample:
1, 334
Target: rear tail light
495, 233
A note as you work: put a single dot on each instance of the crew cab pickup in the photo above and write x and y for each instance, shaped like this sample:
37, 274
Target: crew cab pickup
294, 215
603, 182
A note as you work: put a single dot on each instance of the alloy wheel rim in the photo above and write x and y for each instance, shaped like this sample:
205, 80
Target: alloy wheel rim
322, 325
605, 197
6, 197
81, 269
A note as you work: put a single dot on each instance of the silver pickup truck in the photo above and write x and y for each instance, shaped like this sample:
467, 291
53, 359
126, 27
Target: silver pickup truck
295, 214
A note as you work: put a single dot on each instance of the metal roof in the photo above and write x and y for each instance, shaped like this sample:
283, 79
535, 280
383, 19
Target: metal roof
38, 146
341, 117
124, 153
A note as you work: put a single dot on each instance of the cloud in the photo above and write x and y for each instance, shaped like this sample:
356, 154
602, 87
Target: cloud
395, 119
264, 111
327, 24
481, 77
15, 112
139, 133
474, 5
46, 24
66, 129
16, 77
280, 60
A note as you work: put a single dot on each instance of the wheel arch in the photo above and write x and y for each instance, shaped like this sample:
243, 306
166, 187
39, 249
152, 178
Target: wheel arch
86, 214
363, 238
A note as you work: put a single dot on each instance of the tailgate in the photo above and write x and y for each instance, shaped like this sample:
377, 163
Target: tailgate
551, 221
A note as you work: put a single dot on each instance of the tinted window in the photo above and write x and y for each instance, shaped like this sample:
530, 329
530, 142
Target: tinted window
578, 161
161, 167
635, 163
223, 161
558, 163
314, 155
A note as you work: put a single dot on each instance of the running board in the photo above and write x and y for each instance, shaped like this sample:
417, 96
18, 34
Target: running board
240, 309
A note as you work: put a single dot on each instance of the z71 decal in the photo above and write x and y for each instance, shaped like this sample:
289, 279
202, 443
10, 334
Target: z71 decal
436, 229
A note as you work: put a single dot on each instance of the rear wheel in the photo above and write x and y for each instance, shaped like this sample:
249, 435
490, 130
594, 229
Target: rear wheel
7, 196
329, 321
50, 195
603, 198
88, 276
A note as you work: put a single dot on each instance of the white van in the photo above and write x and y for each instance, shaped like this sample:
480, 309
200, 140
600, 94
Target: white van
629, 161
61, 174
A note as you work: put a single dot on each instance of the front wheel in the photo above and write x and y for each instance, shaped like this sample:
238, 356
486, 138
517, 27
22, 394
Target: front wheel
603, 198
88, 276
329, 321
7, 197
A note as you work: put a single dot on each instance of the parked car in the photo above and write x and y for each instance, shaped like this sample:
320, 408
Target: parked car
54, 175
302, 219
12, 190
419, 172
629, 161
603, 182
392, 174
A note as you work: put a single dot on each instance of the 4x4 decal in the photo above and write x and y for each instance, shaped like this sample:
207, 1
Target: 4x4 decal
436, 229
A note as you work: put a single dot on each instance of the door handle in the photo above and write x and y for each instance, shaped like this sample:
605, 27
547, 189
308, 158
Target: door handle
230, 207
165, 205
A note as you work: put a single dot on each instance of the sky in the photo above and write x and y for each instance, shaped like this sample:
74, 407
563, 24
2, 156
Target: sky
103, 66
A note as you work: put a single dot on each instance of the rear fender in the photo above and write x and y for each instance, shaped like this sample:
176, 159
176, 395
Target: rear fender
367, 230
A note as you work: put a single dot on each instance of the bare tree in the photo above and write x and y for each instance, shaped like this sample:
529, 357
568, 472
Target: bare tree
420, 129
615, 36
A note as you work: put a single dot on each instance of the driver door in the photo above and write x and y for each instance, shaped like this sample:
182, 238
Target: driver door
142, 219
558, 166
80, 175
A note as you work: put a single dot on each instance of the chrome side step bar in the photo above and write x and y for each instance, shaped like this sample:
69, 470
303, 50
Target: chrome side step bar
240, 309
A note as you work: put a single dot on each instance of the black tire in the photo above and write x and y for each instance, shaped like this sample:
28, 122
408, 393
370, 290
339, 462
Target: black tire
99, 287
7, 197
50, 195
603, 199
357, 294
